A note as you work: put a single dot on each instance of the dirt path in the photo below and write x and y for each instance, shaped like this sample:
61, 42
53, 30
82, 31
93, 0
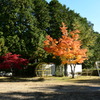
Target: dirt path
49, 90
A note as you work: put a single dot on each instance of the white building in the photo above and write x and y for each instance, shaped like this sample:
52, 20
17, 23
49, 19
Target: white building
66, 70
78, 69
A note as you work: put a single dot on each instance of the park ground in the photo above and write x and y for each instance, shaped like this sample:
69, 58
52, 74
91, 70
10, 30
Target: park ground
50, 88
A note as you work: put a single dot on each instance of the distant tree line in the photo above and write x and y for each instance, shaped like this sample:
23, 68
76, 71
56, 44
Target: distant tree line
24, 25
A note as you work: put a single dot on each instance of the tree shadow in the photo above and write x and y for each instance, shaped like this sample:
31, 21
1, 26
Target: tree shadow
59, 93
55, 92
90, 81
19, 79
68, 88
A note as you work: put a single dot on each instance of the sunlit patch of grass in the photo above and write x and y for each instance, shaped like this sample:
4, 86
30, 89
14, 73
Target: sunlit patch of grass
69, 79
52, 79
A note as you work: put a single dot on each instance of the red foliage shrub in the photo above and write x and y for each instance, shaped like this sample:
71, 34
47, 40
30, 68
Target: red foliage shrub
12, 61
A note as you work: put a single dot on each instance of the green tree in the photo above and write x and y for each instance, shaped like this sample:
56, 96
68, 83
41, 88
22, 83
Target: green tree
85, 27
3, 48
42, 14
19, 27
87, 34
96, 52
97, 48
58, 13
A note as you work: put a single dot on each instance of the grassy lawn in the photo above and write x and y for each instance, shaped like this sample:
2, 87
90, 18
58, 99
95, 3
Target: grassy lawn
79, 79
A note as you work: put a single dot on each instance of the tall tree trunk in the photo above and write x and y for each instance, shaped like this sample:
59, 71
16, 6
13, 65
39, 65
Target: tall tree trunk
65, 70
73, 70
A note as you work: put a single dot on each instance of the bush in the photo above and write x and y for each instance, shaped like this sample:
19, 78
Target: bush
59, 70
29, 71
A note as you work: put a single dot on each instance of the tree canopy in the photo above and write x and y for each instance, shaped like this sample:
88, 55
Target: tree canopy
24, 25
68, 47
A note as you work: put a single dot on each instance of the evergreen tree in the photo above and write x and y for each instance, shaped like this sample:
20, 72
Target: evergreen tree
87, 34
25, 23
19, 27
3, 48
97, 48
95, 54
58, 14
42, 14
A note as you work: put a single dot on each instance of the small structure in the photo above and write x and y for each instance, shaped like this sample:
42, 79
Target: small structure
97, 63
44, 69
78, 69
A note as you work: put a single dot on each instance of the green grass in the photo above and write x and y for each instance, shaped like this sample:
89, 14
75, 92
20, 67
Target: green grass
73, 79
91, 79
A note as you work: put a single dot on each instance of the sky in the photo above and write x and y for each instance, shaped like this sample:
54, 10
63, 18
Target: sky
89, 9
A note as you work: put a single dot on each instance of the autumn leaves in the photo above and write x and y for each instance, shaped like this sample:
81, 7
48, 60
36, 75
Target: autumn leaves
68, 47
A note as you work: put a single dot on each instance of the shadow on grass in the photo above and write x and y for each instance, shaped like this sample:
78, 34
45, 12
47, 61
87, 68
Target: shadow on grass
94, 81
19, 79
90, 81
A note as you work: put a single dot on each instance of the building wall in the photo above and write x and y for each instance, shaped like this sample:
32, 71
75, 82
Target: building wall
67, 69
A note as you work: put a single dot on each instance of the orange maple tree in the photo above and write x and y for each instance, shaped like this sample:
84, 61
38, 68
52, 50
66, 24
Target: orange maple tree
68, 48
